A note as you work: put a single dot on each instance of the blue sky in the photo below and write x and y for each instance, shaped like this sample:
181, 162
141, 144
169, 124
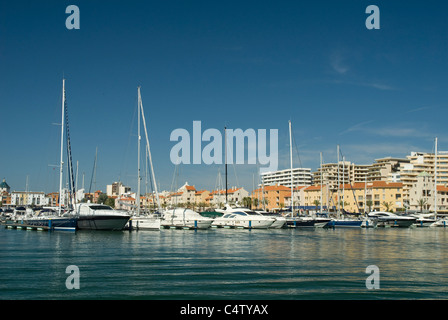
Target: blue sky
240, 64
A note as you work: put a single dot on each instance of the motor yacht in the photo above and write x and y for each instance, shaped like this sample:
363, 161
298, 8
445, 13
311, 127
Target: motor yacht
388, 219
280, 221
145, 222
184, 218
424, 219
92, 216
242, 218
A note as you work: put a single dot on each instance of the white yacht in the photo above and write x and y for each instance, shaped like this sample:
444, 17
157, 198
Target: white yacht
92, 216
146, 222
184, 218
242, 218
280, 221
388, 219
424, 219
440, 223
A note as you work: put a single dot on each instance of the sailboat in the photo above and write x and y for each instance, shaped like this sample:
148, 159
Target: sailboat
48, 218
343, 222
146, 221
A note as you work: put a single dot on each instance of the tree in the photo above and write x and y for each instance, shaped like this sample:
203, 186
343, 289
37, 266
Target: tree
387, 205
102, 198
422, 203
316, 203
247, 202
110, 202
369, 203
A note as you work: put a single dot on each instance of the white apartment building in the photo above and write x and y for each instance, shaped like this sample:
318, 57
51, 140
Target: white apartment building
23, 198
300, 176
117, 189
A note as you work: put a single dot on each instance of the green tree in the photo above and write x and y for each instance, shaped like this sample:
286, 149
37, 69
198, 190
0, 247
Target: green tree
387, 205
422, 203
369, 203
102, 198
110, 202
247, 202
316, 203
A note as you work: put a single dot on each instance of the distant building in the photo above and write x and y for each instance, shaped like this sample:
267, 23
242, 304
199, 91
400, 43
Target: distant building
4, 187
117, 189
300, 177
23, 198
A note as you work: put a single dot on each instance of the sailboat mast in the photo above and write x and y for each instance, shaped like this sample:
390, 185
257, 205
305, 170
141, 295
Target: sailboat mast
338, 179
137, 197
149, 151
61, 164
290, 158
435, 178
225, 157
321, 183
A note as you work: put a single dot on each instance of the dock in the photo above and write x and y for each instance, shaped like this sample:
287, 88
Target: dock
24, 226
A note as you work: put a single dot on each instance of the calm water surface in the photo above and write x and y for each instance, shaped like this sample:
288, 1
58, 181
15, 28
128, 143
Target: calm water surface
225, 264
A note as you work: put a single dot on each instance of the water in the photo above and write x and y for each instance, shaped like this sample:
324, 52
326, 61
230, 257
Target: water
225, 264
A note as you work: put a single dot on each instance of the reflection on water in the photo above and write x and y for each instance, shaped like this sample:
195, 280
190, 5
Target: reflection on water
225, 264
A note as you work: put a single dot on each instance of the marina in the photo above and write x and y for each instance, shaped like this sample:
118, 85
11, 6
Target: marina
284, 264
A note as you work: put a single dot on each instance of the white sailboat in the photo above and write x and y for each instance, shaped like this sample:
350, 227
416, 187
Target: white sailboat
51, 219
148, 221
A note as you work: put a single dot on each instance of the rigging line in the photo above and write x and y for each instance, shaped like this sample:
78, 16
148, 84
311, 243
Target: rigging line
124, 159
69, 155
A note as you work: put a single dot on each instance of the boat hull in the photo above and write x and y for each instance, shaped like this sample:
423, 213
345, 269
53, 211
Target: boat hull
145, 223
395, 223
97, 222
245, 224
341, 223
186, 224
57, 223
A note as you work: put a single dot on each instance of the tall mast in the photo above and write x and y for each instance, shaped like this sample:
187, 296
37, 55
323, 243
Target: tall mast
61, 164
149, 151
137, 197
338, 180
225, 157
290, 158
435, 178
321, 183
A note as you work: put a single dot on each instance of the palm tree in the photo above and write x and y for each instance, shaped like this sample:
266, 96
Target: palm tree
387, 205
422, 203
316, 203
255, 202
369, 203
247, 202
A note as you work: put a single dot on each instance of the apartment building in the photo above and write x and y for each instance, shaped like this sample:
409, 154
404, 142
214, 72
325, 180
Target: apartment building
24, 198
274, 197
369, 196
300, 177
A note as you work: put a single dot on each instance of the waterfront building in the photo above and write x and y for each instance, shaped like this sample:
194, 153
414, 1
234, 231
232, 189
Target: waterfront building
28, 198
300, 176
4, 187
384, 169
117, 189
217, 198
369, 196
421, 195
274, 197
